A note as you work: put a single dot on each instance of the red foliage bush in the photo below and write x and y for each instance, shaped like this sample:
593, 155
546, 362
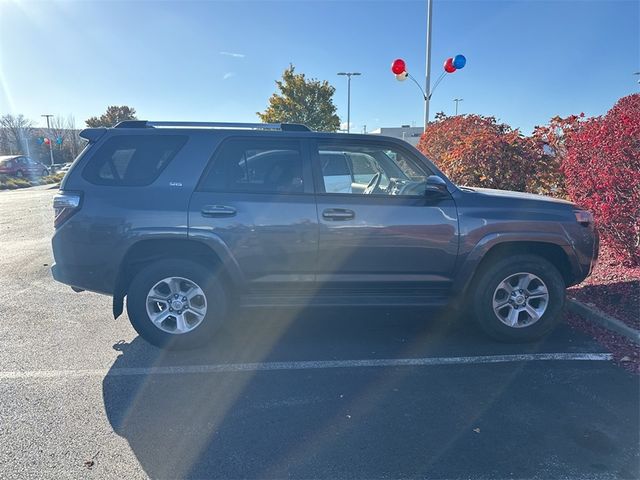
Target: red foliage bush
602, 174
552, 138
477, 151
595, 162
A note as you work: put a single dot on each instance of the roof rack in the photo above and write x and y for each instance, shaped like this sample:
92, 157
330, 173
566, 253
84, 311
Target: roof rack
289, 127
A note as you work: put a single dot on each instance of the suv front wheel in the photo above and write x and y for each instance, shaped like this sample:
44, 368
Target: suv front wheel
519, 298
176, 304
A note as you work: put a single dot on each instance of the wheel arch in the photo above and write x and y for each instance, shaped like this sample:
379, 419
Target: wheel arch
553, 248
211, 254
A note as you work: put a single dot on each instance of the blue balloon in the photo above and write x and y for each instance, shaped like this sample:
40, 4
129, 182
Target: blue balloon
459, 61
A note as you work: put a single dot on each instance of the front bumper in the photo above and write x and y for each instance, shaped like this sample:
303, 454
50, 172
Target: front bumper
596, 252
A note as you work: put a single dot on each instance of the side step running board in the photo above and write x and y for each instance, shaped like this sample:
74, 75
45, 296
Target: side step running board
262, 300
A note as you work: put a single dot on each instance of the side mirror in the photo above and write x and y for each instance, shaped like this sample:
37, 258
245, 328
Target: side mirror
435, 185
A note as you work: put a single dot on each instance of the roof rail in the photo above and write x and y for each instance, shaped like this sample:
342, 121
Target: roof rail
290, 127
132, 124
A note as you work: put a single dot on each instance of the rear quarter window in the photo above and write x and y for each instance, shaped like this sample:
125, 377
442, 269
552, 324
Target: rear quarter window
132, 160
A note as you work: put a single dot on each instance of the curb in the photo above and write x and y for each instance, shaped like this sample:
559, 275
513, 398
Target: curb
604, 320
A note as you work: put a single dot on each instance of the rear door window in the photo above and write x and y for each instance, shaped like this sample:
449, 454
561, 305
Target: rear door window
256, 166
132, 160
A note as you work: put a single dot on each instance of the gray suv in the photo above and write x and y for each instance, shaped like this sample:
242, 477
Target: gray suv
189, 219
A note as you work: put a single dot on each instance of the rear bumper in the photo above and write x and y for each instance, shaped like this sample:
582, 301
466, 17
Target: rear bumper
596, 252
60, 275
78, 280
78, 263
73, 279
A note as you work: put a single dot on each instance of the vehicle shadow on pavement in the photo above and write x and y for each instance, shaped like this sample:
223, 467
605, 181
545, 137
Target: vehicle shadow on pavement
364, 422
350, 334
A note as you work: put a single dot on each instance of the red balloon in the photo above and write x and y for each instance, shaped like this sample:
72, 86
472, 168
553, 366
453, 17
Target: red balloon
398, 66
46, 141
448, 65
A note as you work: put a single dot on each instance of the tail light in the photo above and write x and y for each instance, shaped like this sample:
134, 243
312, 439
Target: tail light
65, 204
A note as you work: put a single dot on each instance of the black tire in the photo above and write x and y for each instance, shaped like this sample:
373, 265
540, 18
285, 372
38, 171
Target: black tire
206, 279
486, 283
19, 174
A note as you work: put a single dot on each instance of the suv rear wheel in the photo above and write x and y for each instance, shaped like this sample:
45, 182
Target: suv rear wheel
519, 298
176, 304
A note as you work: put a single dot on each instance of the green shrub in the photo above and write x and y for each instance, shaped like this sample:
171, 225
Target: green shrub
12, 183
55, 178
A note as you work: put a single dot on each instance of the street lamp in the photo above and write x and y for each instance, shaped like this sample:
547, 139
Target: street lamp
49, 130
427, 83
637, 73
349, 75
457, 100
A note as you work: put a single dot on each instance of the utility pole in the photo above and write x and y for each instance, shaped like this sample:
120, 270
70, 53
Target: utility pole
457, 100
48, 116
427, 87
349, 75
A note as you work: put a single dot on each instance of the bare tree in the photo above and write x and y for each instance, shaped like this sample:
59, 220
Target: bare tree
17, 129
64, 137
4, 141
58, 127
75, 142
58, 130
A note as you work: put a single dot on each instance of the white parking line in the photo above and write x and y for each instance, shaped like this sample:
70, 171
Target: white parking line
306, 365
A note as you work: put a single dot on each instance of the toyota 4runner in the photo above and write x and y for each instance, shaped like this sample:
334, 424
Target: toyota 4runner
188, 219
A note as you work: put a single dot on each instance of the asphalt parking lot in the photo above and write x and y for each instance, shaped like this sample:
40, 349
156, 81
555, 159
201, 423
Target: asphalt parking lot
291, 394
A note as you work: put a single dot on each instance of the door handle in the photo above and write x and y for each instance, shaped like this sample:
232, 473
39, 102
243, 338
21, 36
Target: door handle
217, 211
338, 214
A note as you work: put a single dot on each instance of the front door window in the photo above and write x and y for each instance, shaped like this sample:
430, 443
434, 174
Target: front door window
369, 169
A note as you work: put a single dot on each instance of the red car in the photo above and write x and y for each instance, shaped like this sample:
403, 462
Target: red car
21, 166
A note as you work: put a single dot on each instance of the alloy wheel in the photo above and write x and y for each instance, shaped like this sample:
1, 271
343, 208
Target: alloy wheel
520, 300
176, 305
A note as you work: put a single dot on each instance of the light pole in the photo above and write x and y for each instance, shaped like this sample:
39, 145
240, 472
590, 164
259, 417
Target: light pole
349, 75
637, 73
427, 84
457, 100
49, 130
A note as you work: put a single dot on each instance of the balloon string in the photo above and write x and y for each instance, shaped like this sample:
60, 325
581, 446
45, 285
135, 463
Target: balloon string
414, 81
424, 95
440, 78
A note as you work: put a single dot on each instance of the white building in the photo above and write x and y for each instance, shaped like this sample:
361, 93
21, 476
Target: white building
405, 132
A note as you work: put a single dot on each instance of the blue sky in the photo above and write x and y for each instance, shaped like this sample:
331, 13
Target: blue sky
215, 60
